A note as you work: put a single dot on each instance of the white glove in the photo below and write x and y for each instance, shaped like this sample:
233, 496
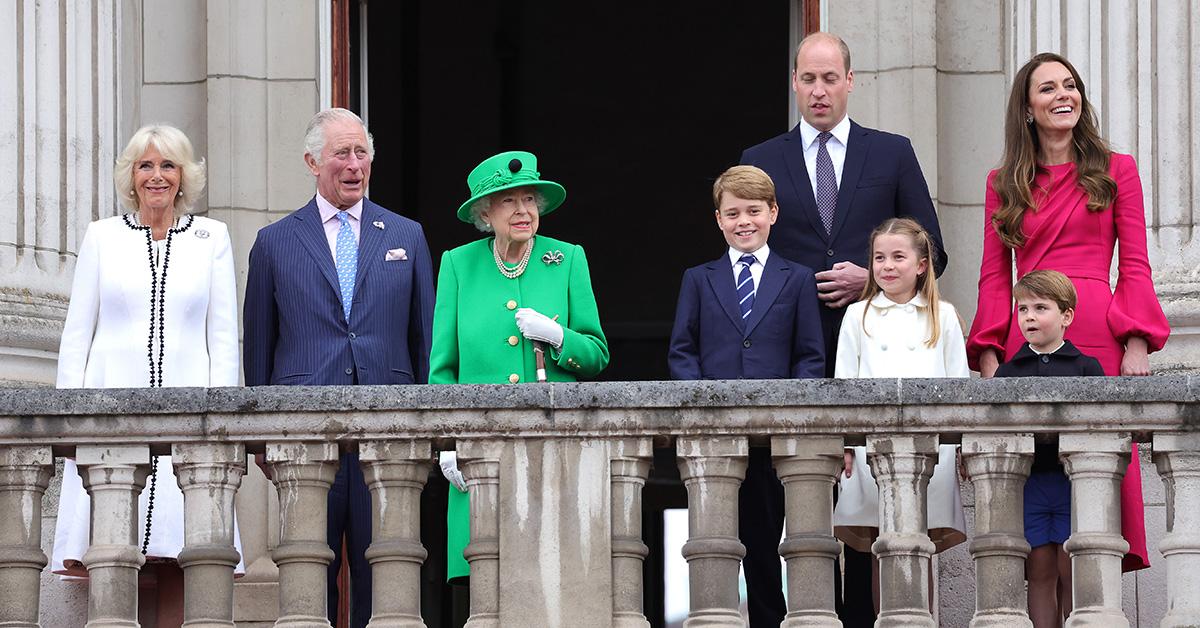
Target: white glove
537, 326
448, 461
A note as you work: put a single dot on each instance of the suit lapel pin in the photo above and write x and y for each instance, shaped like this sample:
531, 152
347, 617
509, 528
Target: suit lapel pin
201, 233
553, 257
378, 224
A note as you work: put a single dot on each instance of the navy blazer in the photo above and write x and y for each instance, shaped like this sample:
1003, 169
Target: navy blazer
780, 339
881, 179
294, 328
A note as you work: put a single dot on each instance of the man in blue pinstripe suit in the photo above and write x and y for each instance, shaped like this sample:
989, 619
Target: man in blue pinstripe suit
340, 292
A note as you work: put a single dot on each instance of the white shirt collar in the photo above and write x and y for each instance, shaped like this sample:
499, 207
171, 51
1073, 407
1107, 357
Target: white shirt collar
881, 301
328, 211
761, 254
1060, 346
841, 132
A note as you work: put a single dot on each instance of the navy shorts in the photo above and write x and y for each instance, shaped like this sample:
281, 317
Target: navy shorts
1047, 508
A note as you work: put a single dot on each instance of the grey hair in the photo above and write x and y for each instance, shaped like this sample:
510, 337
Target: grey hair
484, 204
174, 146
314, 135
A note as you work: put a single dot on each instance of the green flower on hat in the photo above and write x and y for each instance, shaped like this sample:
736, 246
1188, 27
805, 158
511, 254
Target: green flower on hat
512, 169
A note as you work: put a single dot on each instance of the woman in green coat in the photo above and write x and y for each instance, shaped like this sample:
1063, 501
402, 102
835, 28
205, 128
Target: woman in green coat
501, 298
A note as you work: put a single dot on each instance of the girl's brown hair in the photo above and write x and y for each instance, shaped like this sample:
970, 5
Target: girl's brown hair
1014, 178
925, 249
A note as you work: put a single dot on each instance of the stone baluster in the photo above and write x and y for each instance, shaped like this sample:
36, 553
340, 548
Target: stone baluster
629, 468
209, 475
999, 465
902, 466
808, 467
712, 470
1177, 457
303, 473
114, 476
1095, 463
479, 461
24, 475
395, 472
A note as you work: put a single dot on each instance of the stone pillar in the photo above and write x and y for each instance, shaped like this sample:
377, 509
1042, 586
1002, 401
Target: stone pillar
1095, 464
712, 470
479, 461
630, 466
24, 475
1177, 457
114, 476
902, 466
808, 467
208, 474
999, 465
303, 473
395, 472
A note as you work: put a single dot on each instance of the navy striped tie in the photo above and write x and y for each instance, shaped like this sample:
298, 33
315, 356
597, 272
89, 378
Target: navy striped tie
745, 285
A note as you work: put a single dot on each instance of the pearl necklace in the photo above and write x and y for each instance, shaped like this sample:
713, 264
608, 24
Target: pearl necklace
520, 269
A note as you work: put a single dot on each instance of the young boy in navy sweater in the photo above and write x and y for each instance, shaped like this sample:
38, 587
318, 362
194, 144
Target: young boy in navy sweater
1045, 308
750, 314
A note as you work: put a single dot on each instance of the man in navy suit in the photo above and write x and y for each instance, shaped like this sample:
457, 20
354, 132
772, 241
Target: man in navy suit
750, 314
836, 181
340, 292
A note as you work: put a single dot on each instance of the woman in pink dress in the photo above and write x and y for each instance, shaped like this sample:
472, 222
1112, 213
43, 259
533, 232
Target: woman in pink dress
1061, 200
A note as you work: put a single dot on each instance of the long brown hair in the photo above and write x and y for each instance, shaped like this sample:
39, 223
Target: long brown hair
1021, 143
925, 249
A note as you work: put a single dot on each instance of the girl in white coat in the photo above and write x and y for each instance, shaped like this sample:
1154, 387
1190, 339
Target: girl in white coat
899, 328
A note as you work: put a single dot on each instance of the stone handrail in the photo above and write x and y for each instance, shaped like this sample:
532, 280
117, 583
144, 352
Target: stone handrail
607, 432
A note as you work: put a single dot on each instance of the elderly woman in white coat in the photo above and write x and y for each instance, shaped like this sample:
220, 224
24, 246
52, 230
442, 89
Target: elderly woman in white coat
153, 304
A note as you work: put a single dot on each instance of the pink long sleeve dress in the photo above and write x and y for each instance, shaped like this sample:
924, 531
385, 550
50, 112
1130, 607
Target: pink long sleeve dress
1063, 235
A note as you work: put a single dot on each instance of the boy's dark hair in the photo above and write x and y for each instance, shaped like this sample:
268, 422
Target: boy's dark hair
1047, 284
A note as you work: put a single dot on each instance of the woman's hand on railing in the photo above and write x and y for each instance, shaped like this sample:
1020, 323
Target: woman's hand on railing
988, 363
1137, 359
848, 462
448, 461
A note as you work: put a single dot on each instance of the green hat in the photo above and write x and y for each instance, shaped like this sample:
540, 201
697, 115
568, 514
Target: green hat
505, 171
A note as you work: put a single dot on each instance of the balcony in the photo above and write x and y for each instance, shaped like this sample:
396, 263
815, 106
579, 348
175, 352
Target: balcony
556, 473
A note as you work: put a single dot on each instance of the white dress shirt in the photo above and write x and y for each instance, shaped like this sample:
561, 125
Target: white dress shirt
756, 270
332, 224
836, 147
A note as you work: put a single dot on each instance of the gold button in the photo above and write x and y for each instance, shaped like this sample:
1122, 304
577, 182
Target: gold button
512, 341
512, 305
514, 378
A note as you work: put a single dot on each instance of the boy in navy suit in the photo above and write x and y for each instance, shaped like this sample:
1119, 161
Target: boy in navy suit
750, 314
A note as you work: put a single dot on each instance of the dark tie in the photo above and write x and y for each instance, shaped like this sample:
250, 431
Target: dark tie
745, 285
827, 189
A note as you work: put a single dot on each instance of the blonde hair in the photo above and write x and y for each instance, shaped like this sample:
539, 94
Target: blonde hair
745, 182
174, 146
1047, 284
925, 248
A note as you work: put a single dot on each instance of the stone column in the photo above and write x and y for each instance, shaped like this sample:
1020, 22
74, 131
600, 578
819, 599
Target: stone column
712, 470
999, 465
395, 472
630, 466
808, 467
24, 475
114, 476
1177, 457
1095, 464
479, 461
209, 475
303, 473
902, 466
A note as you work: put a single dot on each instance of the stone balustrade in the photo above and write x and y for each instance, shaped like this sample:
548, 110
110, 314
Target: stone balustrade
556, 471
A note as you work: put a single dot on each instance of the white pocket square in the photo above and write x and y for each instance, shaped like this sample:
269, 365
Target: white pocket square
395, 255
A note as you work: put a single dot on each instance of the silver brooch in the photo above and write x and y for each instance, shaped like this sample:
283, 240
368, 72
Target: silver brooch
201, 233
378, 224
553, 257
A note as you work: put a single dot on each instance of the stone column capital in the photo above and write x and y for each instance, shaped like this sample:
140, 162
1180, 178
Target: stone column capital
24, 475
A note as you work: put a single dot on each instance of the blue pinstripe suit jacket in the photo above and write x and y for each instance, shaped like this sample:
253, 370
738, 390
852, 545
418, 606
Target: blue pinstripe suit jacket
295, 331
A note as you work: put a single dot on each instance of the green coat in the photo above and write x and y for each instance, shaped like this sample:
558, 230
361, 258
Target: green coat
476, 340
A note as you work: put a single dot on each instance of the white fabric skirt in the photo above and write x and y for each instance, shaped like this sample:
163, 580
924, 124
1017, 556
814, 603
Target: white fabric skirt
72, 535
856, 517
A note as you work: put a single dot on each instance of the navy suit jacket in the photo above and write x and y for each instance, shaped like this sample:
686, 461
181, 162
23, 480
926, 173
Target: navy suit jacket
780, 339
295, 331
881, 179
